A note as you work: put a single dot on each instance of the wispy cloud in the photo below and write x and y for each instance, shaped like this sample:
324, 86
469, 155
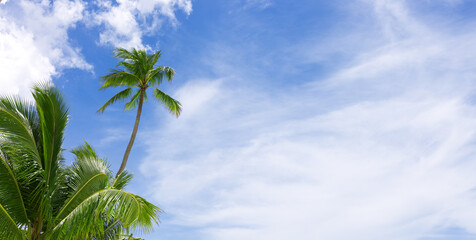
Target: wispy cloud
128, 21
382, 148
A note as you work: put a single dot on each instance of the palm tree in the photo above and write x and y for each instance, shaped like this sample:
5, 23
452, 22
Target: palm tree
139, 74
40, 198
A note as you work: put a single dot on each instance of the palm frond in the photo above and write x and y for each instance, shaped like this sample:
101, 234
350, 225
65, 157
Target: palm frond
171, 104
88, 175
132, 210
156, 76
117, 78
169, 73
120, 96
8, 228
17, 121
122, 53
84, 151
30, 176
121, 181
132, 69
10, 193
53, 117
152, 59
133, 102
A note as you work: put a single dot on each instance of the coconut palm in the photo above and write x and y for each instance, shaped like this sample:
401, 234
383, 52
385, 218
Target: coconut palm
140, 72
40, 197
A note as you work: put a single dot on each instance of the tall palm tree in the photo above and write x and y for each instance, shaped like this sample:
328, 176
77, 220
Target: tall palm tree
140, 72
40, 198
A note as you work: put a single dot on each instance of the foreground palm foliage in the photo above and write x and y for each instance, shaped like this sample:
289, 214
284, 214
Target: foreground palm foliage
139, 74
40, 198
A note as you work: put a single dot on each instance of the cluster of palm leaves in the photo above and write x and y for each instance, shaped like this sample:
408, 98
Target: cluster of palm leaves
40, 197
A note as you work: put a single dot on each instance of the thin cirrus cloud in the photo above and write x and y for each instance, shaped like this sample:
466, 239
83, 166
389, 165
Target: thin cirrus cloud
382, 148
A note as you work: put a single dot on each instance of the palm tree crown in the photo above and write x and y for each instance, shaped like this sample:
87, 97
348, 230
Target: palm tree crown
40, 198
139, 72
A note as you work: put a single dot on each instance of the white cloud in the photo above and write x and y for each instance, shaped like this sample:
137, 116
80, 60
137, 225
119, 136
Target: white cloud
34, 39
34, 42
127, 21
260, 4
382, 149
21, 63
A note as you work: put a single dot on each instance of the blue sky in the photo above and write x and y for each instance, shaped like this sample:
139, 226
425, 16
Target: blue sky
301, 119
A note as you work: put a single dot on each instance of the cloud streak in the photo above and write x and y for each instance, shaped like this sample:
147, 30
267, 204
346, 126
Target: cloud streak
382, 148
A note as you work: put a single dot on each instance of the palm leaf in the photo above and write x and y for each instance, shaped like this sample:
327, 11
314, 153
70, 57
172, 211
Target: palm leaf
8, 228
152, 59
132, 210
133, 102
16, 120
171, 104
120, 96
132, 69
169, 72
53, 117
10, 193
121, 181
122, 53
88, 175
118, 78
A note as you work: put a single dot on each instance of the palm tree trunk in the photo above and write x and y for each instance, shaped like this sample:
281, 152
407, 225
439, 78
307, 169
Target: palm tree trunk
35, 230
133, 136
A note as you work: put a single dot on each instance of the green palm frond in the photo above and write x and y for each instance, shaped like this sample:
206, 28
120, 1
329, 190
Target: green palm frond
10, 193
121, 181
17, 119
171, 104
112, 229
122, 53
8, 228
133, 102
132, 69
120, 96
84, 151
157, 75
132, 210
152, 59
169, 72
88, 175
117, 78
53, 117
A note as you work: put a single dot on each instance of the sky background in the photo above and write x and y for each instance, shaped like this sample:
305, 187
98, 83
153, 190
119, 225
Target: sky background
306, 120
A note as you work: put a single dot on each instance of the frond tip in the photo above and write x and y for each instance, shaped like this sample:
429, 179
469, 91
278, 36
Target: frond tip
171, 104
